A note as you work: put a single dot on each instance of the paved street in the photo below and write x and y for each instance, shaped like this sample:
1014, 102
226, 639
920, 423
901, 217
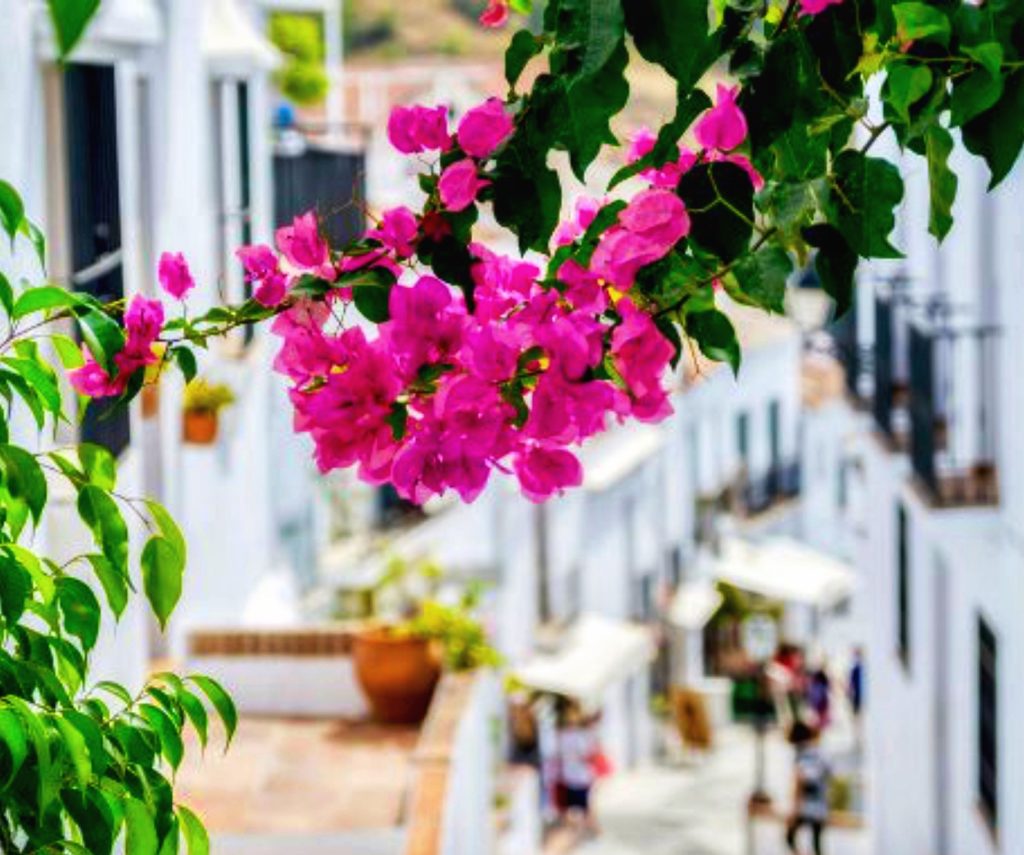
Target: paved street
698, 807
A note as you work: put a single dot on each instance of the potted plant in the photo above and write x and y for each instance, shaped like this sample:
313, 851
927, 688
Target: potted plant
151, 384
399, 661
202, 404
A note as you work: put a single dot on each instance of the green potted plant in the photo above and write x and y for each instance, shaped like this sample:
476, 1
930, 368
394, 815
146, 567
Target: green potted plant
202, 404
399, 659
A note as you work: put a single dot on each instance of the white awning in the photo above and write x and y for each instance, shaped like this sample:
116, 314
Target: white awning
694, 604
785, 569
597, 653
232, 42
612, 457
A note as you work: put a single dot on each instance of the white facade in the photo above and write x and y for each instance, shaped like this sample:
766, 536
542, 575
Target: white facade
939, 585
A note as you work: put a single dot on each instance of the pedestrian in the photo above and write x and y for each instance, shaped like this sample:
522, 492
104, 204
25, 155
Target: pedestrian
819, 691
855, 693
811, 776
577, 747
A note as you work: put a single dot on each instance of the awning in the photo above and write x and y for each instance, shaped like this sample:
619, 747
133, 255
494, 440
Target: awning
597, 653
231, 41
694, 604
612, 457
785, 569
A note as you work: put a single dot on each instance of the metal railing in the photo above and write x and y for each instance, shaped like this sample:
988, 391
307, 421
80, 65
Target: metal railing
758, 493
952, 403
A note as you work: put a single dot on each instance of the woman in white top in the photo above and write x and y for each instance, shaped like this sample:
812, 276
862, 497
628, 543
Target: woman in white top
577, 747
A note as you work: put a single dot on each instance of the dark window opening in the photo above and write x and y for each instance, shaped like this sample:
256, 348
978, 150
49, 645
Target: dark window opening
988, 734
902, 586
94, 216
775, 434
743, 438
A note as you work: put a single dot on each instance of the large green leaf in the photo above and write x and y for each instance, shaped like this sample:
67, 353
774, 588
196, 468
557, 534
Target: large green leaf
42, 298
140, 832
109, 530
905, 85
674, 34
102, 335
762, 277
12, 736
593, 100
113, 581
81, 610
942, 180
12, 209
981, 89
720, 200
70, 19
221, 701
23, 479
523, 47
921, 22
866, 193
835, 263
715, 335
171, 745
162, 569
998, 133
196, 838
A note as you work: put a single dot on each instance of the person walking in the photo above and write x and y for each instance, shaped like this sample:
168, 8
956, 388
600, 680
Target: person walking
811, 776
578, 747
819, 696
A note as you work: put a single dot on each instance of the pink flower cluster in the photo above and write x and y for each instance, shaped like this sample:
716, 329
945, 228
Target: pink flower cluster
719, 131
143, 322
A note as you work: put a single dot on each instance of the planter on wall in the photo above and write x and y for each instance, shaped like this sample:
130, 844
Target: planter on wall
397, 673
199, 427
150, 397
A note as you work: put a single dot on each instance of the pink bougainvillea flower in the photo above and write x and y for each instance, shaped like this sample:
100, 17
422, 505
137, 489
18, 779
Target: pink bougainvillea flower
175, 277
484, 128
658, 215
304, 249
585, 210
641, 143
93, 382
417, 128
815, 7
642, 355
459, 185
263, 271
543, 472
397, 231
724, 126
143, 322
496, 14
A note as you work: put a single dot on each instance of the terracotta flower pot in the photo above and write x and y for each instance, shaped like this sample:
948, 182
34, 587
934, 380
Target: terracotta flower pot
150, 400
200, 427
397, 673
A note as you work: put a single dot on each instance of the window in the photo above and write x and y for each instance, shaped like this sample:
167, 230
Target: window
675, 566
988, 735
902, 586
234, 173
775, 433
93, 215
743, 438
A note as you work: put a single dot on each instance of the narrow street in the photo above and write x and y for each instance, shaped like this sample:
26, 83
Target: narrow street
698, 807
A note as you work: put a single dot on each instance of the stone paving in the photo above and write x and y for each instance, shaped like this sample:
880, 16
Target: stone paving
698, 808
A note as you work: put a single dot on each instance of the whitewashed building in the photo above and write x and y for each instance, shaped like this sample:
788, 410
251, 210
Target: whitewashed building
920, 475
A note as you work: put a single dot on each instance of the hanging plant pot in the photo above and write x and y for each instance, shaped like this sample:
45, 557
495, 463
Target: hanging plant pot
398, 674
200, 427
150, 400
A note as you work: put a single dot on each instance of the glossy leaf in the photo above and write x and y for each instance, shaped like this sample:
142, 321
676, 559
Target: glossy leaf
221, 701
162, 569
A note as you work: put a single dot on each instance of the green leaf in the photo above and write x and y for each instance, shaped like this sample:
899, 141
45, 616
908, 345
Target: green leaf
371, 290
186, 362
981, 89
170, 738
35, 236
12, 210
140, 832
921, 22
835, 263
102, 335
6, 294
593, 100
12, 735
673, 34
762, 277
114, 583
715, 335
70, 19
221, 701
866, 193
74, 745
101, 514
998, 133
720, 200
81, 610
906, 85
196, 713
168, 527
99, 465
15, 589
196, 838
523, 47
23, 479
596, 26
162, 569
42, 298
115, 689
942, 181
38, 739
68, 351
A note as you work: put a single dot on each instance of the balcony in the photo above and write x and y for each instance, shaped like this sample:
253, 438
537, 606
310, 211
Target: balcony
758, 494
952, 394
855, 359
